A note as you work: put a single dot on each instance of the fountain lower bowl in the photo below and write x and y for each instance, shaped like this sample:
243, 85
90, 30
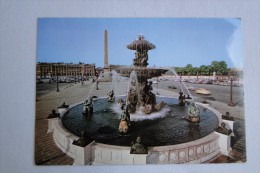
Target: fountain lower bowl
166, 127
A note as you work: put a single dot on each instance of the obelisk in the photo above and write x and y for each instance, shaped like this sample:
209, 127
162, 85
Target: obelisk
106, 66
105, 50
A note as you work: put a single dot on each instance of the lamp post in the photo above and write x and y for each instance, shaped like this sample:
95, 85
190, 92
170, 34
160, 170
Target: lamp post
58, 90
231, 93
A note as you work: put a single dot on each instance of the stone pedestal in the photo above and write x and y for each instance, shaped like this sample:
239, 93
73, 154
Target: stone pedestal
62, 110
224, 143
230, 124
139, 159
51, 124
194, 119
82, 154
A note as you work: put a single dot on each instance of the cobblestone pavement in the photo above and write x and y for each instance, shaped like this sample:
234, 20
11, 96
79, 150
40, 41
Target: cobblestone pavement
47, 153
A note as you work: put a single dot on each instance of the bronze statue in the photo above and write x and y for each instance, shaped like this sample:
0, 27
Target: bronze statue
181, 99
193, 113
227, 117
121, 103
222, 129
144, 97
63, 105
124, 122
83, 141
138, 147
53, 114
141, 46
111, 96
88, 106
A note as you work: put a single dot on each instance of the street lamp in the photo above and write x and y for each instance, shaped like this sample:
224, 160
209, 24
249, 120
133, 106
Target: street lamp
231, 93
58, 90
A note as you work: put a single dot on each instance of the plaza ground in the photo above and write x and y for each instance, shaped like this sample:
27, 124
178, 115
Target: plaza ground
47, 153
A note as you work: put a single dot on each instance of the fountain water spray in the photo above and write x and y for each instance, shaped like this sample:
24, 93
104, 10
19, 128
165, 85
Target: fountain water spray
132, 79
181, 82
101, 74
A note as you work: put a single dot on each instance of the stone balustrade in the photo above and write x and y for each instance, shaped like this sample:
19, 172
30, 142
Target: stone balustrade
198, 151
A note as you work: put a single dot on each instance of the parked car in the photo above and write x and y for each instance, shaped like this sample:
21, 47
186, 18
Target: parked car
208, 81
172, 87
202, 91
191, 88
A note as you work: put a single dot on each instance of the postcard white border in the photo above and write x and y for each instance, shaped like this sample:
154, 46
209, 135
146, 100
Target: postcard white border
18, 20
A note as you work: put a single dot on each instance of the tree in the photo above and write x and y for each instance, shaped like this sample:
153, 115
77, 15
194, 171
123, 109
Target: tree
189, 69
195, 71
204, 70
220, 67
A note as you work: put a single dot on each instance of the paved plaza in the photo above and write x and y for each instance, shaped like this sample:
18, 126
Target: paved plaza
46, 152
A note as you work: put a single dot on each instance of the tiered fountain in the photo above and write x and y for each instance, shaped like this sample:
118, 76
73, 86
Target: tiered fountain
158, 124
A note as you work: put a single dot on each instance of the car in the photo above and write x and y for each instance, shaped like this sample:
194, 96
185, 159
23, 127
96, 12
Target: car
172, 87
191, 88
208, 81
202, 91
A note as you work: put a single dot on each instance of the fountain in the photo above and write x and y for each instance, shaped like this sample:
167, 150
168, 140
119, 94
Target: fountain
139, 127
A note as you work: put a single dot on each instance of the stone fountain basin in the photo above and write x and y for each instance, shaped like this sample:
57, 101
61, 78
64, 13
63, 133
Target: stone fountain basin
201, 150
163, 128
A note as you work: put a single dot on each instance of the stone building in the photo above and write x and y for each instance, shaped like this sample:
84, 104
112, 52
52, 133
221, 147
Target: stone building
48, 70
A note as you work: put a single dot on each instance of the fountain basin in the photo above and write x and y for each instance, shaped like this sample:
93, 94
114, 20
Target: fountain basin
200, 150
166, 127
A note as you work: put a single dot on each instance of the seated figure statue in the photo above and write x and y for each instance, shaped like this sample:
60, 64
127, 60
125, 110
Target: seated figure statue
53, 114
181, 99
111, 96
222, 129
124, 122
193, 113
121, 103
64, 105
138, 147
88, 106
83, 140
228, 117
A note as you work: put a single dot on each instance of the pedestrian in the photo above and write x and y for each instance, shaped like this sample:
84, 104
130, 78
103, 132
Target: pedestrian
97, 85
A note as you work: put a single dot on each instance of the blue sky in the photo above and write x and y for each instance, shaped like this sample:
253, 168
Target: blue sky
179, 41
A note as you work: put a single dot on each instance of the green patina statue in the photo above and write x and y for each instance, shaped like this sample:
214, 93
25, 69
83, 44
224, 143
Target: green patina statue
84, 140
193, 113
138, 147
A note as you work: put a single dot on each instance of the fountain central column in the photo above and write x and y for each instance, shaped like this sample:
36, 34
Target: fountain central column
140, 90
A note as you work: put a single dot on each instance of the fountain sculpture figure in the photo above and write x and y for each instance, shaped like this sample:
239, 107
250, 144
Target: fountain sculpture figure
181, 99
142, 47
88, 106
193, 113
138, 147
124, 122
111, 96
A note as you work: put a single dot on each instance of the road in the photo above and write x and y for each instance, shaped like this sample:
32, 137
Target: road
218, 92
45, 88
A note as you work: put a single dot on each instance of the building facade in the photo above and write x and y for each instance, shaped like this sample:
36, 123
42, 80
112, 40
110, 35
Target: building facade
48, 70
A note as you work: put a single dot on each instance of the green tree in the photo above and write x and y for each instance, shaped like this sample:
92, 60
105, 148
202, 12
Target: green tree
203, 70
220, 67
195, 71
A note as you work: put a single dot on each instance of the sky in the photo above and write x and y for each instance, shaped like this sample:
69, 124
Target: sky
178, 41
